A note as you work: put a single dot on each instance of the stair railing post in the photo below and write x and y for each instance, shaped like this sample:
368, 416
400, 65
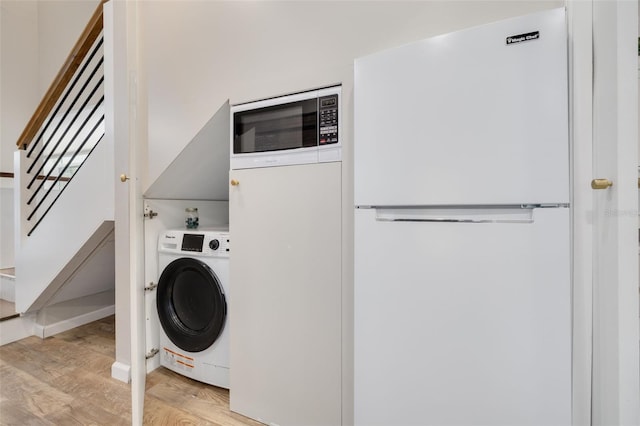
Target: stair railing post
20, 196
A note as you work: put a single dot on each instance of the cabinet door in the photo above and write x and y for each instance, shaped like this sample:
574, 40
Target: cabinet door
285, 297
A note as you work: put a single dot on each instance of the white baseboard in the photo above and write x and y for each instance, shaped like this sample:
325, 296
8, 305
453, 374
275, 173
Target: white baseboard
121, 371
45, 331
16, 328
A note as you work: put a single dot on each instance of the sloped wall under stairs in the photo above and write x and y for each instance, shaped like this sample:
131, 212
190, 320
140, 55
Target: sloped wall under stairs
76, 234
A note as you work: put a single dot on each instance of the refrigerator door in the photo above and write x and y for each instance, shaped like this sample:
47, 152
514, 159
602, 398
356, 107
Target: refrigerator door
462, 320
478, 116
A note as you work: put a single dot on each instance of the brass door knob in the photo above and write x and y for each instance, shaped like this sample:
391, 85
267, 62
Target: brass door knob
234, 182
601, 183
124, 178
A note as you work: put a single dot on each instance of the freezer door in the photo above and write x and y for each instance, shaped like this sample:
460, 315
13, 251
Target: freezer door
461, 321
466, 118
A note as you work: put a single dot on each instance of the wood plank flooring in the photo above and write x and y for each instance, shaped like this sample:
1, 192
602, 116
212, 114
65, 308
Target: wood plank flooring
66, 380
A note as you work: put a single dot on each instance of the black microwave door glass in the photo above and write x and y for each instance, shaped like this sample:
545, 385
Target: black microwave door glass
275, 128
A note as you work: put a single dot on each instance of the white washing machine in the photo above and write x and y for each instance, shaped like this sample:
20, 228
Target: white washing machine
191, 303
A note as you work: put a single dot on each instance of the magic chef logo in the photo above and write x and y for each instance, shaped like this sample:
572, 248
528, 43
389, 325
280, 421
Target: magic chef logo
523, 37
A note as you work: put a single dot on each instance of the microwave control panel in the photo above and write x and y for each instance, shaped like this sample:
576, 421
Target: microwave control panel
328, 106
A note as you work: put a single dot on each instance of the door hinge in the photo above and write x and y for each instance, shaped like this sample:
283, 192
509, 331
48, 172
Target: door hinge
152, 286
149, 214
153, 352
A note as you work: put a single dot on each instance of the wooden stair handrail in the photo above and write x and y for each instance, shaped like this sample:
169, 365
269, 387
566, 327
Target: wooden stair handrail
40, 177
75, 58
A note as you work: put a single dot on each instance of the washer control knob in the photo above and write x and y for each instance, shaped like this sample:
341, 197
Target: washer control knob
214, 244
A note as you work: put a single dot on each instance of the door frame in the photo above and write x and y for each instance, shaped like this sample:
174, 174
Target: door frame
117, 132
579, 16
128, 129
591, 403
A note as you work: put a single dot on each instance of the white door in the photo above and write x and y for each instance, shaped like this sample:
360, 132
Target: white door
285, 297
461, 323
121, 89
616, 377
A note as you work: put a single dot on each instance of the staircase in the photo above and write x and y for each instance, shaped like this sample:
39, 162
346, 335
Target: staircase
7, 294
64, 198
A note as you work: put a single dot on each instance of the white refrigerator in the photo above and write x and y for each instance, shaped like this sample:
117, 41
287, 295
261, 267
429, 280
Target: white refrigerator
462, 229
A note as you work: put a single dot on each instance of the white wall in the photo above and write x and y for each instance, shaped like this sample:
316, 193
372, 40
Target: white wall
60, 23
81, 229
36, 38
200, 54
18, 73
7, 258
18, 98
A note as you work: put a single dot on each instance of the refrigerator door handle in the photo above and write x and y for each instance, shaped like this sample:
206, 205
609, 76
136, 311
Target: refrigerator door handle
519, 214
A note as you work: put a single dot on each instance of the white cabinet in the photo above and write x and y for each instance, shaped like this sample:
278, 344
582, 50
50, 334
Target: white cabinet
285, 298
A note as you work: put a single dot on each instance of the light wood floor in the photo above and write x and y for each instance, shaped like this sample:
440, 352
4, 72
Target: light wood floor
66, 380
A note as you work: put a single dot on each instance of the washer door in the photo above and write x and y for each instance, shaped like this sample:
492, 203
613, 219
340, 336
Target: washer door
191, 304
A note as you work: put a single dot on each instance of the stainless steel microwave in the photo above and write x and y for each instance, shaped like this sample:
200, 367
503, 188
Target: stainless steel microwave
301, 128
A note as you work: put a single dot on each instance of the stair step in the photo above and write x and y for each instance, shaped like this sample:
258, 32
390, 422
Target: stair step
7, 310
8, 284
8, 273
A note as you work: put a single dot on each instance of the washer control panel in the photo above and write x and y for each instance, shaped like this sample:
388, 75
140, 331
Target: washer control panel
208, 243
